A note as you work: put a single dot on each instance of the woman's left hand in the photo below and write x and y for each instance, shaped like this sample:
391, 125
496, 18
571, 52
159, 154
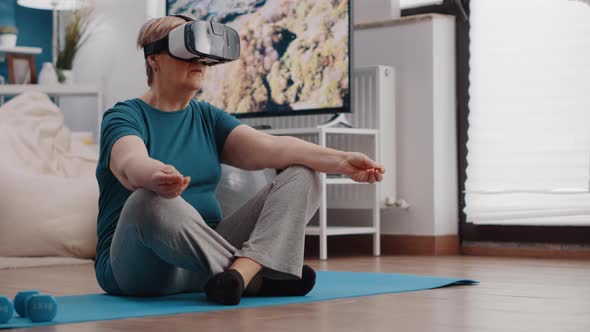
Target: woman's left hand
361, 168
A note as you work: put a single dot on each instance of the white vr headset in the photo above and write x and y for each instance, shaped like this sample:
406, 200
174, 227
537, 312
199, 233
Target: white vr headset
202, 41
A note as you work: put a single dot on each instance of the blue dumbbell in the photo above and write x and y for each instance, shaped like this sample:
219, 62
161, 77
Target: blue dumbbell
19, 301
41, 308
6, 309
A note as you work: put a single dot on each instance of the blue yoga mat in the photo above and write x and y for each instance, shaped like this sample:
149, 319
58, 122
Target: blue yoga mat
329, 285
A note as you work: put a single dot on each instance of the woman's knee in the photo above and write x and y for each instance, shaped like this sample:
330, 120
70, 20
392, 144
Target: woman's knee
146, 208
155, 214
141, 197
307, 177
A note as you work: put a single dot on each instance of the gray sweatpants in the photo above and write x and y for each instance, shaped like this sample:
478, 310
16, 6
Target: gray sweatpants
163, 246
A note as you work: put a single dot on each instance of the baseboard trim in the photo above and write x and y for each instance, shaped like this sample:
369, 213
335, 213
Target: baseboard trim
530, 250
348, 245
390, 245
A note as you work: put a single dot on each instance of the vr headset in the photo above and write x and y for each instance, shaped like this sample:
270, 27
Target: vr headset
202, 41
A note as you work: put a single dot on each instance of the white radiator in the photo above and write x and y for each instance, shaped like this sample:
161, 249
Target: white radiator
373, 106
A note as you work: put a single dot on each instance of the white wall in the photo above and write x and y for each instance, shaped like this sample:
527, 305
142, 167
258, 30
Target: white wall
110, 58
422, 51
375, 10
446, 212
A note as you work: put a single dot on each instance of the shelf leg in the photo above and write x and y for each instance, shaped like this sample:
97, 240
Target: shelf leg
323, 208
323, 222
377, 205
377, 224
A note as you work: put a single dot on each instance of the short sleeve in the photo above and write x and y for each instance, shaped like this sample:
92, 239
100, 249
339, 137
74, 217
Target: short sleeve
223, 124
116, 123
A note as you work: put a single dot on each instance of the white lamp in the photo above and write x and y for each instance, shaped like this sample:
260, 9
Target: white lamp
54, 5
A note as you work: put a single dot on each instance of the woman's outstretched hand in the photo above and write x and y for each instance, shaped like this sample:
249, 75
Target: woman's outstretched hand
168, 182
361, 168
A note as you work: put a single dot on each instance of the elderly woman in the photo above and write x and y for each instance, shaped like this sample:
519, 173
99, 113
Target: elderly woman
160, 229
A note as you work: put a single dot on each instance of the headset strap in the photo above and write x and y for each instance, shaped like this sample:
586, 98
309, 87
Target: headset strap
161, 44
155, 47
184, 17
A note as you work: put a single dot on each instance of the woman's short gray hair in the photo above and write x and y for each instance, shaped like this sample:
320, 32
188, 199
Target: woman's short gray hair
152, 30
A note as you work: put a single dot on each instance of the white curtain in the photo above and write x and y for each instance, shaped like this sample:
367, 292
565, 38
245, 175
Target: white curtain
529, 123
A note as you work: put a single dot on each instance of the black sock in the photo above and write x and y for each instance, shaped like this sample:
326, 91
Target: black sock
225, 288
288, 287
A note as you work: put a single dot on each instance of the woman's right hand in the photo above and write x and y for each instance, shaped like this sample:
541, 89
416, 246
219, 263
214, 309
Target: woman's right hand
168, 182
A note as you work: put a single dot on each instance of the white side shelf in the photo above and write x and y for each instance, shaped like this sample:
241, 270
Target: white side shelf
316, 131
340, 230
323, 230
53, 89
21, 50
341, 181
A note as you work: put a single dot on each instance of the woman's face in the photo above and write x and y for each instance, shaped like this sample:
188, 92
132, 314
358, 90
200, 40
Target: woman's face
179, 74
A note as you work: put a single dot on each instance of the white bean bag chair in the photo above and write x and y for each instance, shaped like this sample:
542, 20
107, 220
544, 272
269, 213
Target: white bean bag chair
48, 190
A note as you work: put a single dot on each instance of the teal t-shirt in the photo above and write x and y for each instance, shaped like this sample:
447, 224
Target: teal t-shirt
190, 139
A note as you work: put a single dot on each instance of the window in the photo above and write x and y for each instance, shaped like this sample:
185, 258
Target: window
528, 160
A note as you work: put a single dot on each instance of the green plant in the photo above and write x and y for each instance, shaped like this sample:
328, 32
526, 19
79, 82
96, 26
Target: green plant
76, 35
8, 29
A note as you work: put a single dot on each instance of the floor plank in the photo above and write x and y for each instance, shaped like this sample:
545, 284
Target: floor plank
515, 294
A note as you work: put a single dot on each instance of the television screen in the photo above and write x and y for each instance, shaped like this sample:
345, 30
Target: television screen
295, 56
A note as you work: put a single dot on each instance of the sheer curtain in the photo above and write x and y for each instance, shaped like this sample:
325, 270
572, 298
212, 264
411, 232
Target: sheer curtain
529, 123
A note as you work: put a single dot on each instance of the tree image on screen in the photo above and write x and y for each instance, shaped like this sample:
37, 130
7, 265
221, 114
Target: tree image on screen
294, 54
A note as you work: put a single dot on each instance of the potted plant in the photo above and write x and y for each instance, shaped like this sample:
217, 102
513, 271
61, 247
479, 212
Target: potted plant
76, 35
8, 36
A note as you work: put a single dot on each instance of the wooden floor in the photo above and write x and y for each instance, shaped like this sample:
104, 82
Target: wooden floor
514, 295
